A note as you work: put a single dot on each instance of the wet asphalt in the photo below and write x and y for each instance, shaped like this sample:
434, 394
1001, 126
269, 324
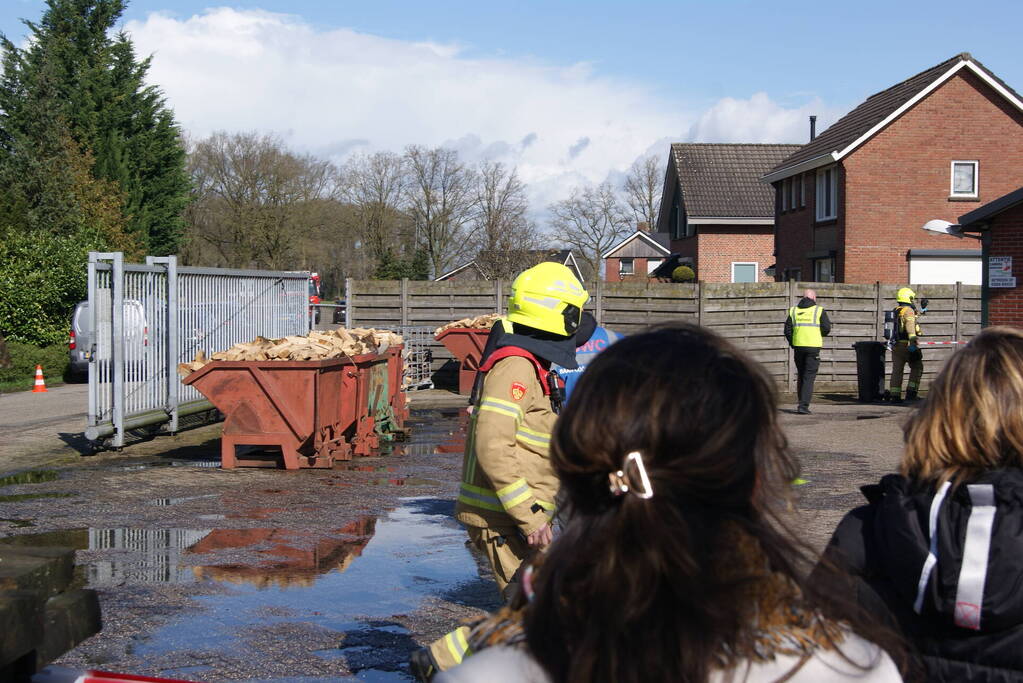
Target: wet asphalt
267, 575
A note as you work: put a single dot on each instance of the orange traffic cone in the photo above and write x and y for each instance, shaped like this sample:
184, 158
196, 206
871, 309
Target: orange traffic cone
40, 386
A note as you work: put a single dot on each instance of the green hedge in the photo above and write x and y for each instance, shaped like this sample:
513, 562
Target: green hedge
25, 357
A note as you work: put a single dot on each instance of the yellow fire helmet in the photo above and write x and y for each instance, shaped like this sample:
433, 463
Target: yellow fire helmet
548, 297
905, 296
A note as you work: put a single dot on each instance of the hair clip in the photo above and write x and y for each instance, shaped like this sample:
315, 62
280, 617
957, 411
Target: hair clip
621, 483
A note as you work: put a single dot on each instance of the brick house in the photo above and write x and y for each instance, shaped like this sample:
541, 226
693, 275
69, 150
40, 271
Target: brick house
849, 204
716, 213
636, 256
1000, 223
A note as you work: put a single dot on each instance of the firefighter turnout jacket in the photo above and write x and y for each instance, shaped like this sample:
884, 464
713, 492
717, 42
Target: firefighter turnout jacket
507, 480
906, 326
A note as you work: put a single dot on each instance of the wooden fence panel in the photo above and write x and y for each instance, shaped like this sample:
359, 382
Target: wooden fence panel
751, 315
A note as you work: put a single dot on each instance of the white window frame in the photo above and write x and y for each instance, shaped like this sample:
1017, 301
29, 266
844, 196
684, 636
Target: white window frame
785, 194
756, 269
632, 266
653, 264
822, 174
793, 199
802, 191
952, 179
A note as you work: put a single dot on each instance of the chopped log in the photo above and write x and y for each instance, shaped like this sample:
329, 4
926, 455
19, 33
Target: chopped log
319, 345
480, 322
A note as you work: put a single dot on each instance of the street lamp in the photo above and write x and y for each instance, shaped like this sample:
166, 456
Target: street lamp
946, 228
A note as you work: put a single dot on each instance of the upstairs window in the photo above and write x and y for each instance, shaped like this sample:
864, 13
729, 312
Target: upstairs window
802, 192
827, 193
794, 185
965, 175
626, 266
785, 194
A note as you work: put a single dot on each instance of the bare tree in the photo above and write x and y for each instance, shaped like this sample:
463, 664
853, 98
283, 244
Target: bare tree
375, 186
642, 187
254, 200
440, 200
590, 221
502, 233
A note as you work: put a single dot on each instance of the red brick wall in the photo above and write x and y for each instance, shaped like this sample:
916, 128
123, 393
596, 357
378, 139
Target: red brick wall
1005, 306
794, 232
716, 247
899, 180
612, 265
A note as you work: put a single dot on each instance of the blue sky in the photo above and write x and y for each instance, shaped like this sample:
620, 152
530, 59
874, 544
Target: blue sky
595, 84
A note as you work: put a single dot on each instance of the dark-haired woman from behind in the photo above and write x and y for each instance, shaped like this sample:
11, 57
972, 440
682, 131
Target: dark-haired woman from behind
941, 543
675, 563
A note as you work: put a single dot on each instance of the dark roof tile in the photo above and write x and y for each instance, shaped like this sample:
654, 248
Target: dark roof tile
723, 180
874, 110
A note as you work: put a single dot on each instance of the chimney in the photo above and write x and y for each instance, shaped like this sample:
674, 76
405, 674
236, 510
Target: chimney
813, 127
643, 226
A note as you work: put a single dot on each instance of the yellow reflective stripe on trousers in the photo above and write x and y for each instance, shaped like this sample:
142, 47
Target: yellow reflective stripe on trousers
479, 497
514, 494
457, 645
533, 437
501, 407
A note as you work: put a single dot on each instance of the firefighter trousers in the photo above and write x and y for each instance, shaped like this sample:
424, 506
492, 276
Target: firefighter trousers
506, 550
900, 356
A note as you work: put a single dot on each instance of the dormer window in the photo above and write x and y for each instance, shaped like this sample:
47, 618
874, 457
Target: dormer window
965, 179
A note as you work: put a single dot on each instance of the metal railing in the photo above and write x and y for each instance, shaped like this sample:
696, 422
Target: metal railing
146, 319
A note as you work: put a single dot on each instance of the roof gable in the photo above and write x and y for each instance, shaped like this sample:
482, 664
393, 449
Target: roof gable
723, 180
643, 237
877, 111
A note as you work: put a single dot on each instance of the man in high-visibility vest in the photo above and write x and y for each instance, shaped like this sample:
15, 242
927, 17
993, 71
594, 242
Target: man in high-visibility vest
905, 349
805, 328
506, 498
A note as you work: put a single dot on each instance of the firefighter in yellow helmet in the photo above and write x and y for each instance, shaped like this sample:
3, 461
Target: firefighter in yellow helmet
506, 497
905, 348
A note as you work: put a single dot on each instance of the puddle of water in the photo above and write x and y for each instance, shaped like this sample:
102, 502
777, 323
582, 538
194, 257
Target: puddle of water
414, 552
30, 496
18, 523
211, 464
403, 481
163, 502
29, 477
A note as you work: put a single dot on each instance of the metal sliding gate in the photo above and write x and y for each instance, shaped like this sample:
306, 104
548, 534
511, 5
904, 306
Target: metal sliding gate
145, 319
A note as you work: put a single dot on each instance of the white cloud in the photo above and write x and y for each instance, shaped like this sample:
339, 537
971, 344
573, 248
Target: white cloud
759, 119
334, 92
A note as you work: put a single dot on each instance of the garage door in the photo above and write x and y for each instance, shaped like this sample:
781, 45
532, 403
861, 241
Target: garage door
944, 270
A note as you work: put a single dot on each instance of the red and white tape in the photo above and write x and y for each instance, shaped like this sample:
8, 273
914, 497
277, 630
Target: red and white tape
939, 343
58, 674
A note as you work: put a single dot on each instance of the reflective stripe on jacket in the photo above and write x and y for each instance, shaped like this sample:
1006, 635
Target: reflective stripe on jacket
806, 326
507, 480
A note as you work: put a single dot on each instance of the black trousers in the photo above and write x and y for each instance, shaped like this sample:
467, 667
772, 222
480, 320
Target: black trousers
808, 359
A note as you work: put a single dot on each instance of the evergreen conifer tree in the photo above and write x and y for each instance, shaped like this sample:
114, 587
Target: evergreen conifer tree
96, 84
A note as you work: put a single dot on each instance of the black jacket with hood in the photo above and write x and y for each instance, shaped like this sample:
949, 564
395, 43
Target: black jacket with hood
807, 303
962, 610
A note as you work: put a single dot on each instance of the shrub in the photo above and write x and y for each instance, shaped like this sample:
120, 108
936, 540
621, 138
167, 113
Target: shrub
25, 357
683, 274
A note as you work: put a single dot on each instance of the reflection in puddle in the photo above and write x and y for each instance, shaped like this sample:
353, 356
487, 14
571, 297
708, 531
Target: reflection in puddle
288, 557
389, 566
163, 502
30, 477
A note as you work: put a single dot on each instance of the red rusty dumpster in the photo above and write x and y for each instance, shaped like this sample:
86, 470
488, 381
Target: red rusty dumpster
466, 345
315, 411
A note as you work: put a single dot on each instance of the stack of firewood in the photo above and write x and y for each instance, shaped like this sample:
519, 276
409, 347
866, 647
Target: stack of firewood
315, 346
480, 322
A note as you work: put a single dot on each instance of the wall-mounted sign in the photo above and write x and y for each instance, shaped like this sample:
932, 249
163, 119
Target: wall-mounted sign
999, 272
